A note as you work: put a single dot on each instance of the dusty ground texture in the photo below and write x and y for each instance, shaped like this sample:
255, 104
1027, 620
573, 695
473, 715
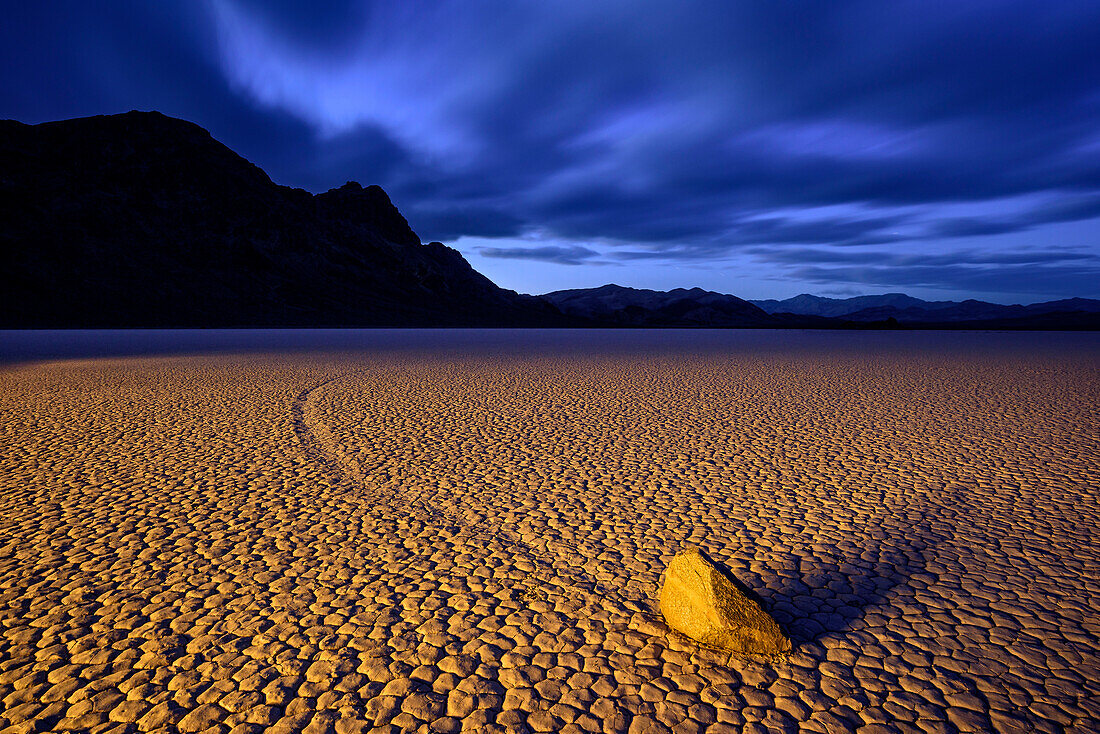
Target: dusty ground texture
473, 542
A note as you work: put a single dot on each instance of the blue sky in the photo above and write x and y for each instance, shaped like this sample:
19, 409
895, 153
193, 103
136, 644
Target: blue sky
765, 149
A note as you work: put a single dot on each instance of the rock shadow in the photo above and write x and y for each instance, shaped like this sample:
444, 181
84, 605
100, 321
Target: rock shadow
814, 587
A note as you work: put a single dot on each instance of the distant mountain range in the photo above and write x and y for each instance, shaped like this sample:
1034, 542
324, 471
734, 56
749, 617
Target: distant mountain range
909, 310
142, 220
697, 307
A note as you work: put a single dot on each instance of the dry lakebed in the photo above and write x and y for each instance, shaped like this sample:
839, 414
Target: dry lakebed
466, 531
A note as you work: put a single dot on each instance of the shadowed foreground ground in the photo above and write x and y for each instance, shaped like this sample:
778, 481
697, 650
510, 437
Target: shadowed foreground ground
450, 542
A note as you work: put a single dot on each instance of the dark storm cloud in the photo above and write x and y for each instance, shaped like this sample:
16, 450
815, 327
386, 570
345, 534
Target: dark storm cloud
646, 122
455, 222
1068, 209
973, 227
668, 131
365, 152
836, 230
1035, 271
323, 26
800, 255
1072, 279
562, 255
73, 59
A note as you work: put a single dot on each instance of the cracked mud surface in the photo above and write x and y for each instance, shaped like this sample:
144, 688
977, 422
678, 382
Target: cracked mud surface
473, 540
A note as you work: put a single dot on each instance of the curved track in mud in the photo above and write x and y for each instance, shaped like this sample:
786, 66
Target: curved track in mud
555, 562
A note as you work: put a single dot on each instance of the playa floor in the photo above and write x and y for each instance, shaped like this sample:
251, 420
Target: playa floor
442, 541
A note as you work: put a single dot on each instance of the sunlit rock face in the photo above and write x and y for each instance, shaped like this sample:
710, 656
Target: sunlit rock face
699, 599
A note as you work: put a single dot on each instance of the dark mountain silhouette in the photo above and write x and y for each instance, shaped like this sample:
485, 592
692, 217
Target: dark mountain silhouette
622, 306
142, 220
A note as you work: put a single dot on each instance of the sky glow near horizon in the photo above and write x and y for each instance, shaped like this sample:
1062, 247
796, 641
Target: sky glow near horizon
947, 150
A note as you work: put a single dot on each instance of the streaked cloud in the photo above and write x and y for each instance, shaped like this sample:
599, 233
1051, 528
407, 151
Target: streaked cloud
668, 133
559, 254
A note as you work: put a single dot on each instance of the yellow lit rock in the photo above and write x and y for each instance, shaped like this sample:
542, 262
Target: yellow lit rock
701, 600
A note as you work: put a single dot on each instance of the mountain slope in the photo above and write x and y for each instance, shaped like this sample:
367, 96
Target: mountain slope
622, 306
142, 220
